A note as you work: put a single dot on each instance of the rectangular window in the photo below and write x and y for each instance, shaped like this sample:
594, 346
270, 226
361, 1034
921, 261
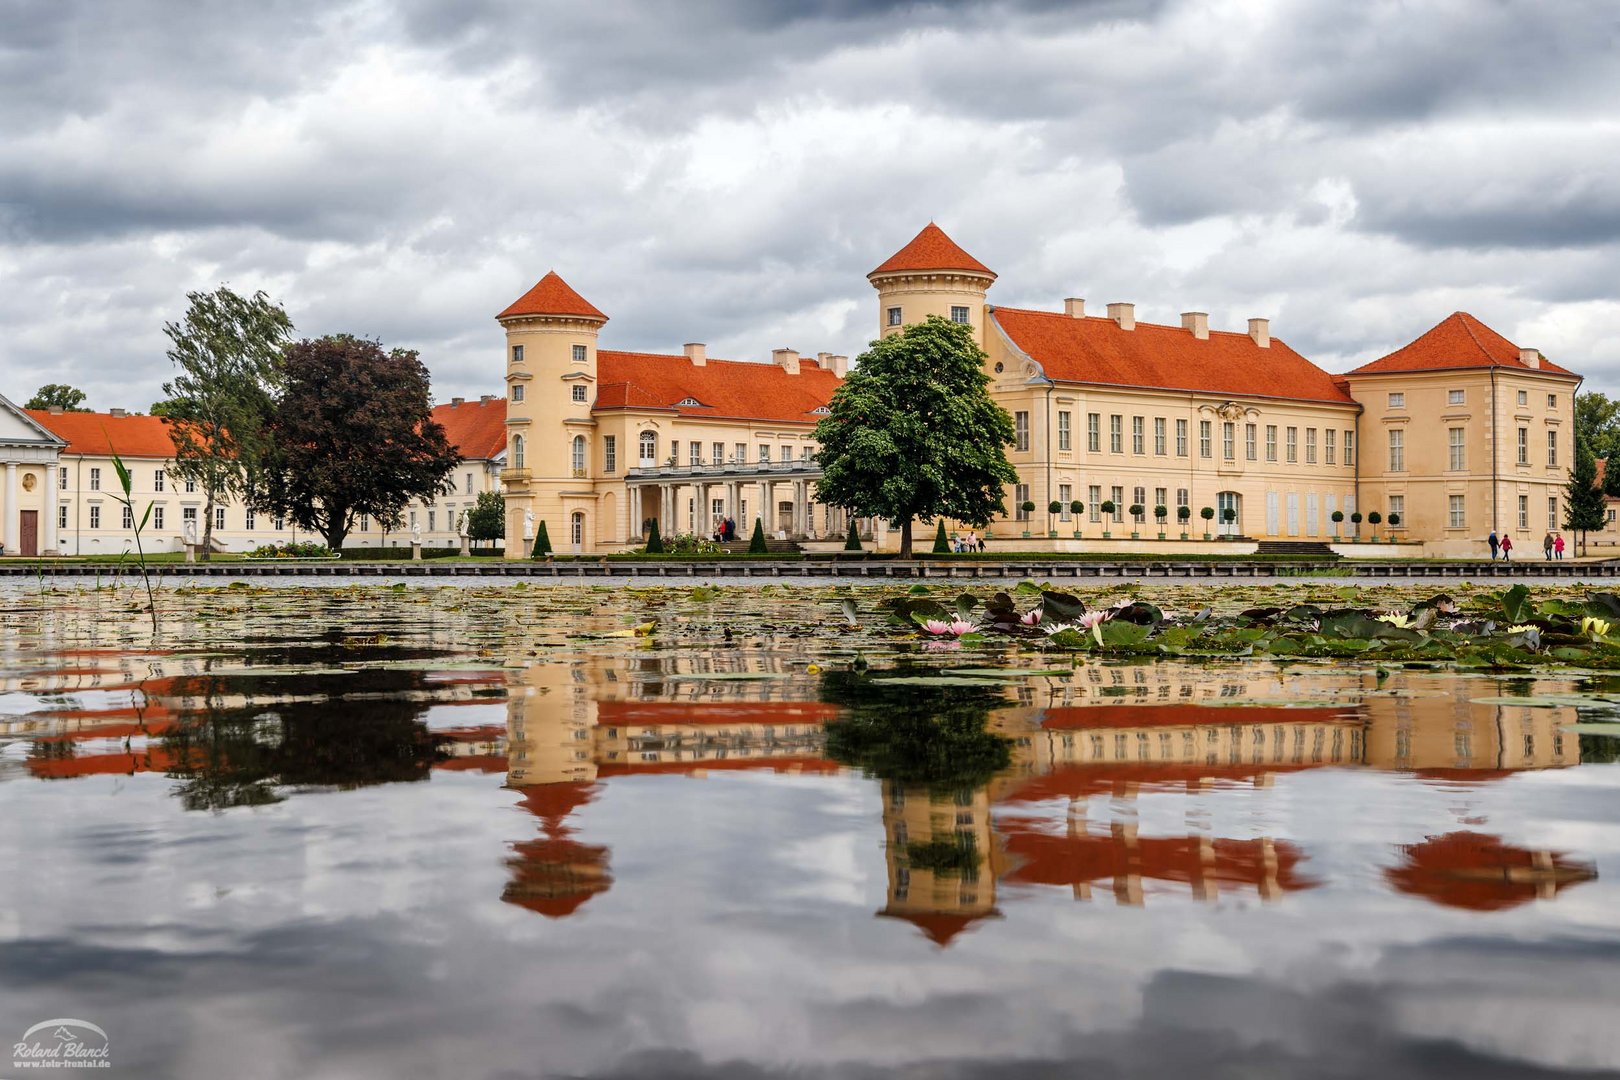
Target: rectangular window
1454, 440
1118, 496
1329, 446
1456, 519
894, 316
1397, 401
1139, 497
1063, 430
610, 454
1205, 429
157, 479
1183, 498
1552, 512
1094, 432
517, 391
61, 479
95, 479
787, 453
517, 354
742, 453
191, 485
1181, 438
1020, 431
61, 516
694, 453
278, 523
1397, 450
467, 478
1158, 436
1310, 446
1552, 449
1116, 433
1291, 445
1228, 441
1138, 435
95, 516
1524, 397
1271, 442
764, 453
1524, 511
1552, 401
365, 522
129, 518
1397, 508
1159, 497
248, 521
1455, 397
219, 517
1349, 448
719, 451
188, 514
1065, 496
579, 354
576, 392
1020, 497
1524, 446
959, 314
431, 515
1251, 449
1095, 504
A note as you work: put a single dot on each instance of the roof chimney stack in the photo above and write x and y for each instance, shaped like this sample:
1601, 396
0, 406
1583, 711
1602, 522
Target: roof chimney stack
832, 362
485, 399
57, 410
1197, 322
1260, 330
118, 413
696, 352
1124, 314
1074, 307
788, 359
1530, 358
455, 401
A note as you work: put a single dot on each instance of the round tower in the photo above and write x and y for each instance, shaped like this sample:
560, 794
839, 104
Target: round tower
932, 275
551, 334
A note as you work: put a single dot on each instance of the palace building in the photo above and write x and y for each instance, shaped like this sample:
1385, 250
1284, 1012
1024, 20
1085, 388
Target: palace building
1106, 409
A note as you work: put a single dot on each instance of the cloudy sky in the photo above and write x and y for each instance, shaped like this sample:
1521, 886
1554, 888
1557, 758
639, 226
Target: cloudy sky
728, 170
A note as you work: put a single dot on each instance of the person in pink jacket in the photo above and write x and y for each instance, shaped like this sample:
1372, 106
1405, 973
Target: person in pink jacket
1558, 546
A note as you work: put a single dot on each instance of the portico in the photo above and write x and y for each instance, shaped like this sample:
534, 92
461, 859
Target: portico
691, 498
28, 505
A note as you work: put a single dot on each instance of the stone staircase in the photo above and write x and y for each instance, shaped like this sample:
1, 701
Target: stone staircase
1296, 547
772, 545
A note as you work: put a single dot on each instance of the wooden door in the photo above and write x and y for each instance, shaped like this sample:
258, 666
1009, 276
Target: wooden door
30, 533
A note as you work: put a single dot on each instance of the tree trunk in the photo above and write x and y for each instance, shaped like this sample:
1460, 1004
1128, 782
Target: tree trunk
905, 539
208, 524
337, 530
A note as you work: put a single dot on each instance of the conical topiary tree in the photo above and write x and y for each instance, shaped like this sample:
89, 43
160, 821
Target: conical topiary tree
852, 542
542, 543
655, 542
942, 545
756, 543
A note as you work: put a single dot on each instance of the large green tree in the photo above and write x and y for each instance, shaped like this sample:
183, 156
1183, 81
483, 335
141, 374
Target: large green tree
57, 395
487, 519
1584, 505
914, 434
228, 350
1597, 420
353, 434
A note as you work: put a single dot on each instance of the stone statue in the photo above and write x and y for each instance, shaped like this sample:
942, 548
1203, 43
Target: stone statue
416, 533
190, 533
461, 524
528, 524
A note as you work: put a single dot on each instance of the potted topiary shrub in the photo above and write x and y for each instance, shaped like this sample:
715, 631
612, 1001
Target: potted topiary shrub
1161, 512
1228, 515
1108, 513
1394, 520
1028, 507
1208, 514
1184, 515
1077, 508
1355, 519
1373, 519
1137, 510
1053, 509
1338, 519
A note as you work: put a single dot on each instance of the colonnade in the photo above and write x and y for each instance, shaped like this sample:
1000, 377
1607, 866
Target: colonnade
689, 505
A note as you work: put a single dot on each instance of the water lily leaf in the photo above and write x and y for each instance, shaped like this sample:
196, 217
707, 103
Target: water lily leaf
965, 604
1116, 634
1141, 613
1061, 607
1516, 605
1611, 730
1605, 604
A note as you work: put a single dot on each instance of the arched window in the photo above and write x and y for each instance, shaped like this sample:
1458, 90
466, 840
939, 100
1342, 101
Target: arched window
579, 455
576, 530
517, 451
649, 448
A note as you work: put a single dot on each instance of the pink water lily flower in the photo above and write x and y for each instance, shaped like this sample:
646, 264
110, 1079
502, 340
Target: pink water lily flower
1030, 618
937, 627
1091, 618
962, 626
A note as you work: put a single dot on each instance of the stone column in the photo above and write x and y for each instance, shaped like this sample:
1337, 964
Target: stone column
765, 508
13, 535
48, 539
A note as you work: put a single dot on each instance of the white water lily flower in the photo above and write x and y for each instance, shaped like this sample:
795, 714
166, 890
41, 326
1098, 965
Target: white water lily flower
1595, 626
1521, 628
1402, 621
1031, 618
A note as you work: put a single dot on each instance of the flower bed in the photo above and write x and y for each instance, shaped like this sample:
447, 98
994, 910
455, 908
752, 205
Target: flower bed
305, 552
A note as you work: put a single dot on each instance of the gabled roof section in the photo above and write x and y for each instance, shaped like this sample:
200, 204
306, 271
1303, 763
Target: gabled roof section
931, 249
101, 434
1097, 351
1457, 341
552, 295
476, 429
18, 427
732, 389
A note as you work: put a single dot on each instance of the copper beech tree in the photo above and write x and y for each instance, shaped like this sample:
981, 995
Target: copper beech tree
352, 434
914, 433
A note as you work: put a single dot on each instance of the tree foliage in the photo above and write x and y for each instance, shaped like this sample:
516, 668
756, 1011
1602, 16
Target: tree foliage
914, 433
1597, 420
487, 518
228, 351
57, 396
353, 434
655, 541
1584, 504
756, 542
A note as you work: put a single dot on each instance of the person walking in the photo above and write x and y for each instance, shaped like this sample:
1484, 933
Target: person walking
1507, 547
1547, 546
1494, 543
1558, 546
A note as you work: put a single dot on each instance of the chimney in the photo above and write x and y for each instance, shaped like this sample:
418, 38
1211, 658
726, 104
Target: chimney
457, 401
1124, 314
1530, 358
787, 358
1074, 307
839, 365
57, 410
1260, 330
117, 413
1197, 322
485, 399
696, 352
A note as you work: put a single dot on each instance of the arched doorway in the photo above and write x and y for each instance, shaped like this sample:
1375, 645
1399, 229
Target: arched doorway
1229, 501
576, 532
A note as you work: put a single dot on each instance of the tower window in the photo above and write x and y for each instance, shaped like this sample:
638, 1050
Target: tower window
894, 316
575, 392
959, 314
579, 354
517, 391
517, 354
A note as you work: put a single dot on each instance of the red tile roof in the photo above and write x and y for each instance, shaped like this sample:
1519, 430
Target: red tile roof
931, 249
101, 434
1478, 872
552, 295
1457, 341
476, 429
726, 388
1095, 350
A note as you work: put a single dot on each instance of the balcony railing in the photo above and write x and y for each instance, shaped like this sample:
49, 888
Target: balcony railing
514, 476
748, 468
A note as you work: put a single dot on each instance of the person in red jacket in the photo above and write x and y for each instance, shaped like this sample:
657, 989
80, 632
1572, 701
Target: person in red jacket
1507, 547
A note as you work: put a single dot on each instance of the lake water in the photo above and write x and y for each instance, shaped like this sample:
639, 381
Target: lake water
654, 833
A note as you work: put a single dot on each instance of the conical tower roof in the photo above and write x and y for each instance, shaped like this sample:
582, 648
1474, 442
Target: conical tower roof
552, 295
931, 249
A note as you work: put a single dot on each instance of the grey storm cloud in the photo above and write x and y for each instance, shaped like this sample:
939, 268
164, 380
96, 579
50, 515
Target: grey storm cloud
728, 171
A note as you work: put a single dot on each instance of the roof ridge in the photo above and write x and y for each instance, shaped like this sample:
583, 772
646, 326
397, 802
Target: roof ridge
1463, 317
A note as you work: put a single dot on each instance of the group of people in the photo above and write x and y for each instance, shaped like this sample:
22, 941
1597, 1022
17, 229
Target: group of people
970, 541
724, 530
1552, 546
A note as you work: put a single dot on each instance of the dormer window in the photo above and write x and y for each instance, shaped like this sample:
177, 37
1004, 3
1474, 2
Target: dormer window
894, 316
517, 354
689, 402
821, 410
579, 354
